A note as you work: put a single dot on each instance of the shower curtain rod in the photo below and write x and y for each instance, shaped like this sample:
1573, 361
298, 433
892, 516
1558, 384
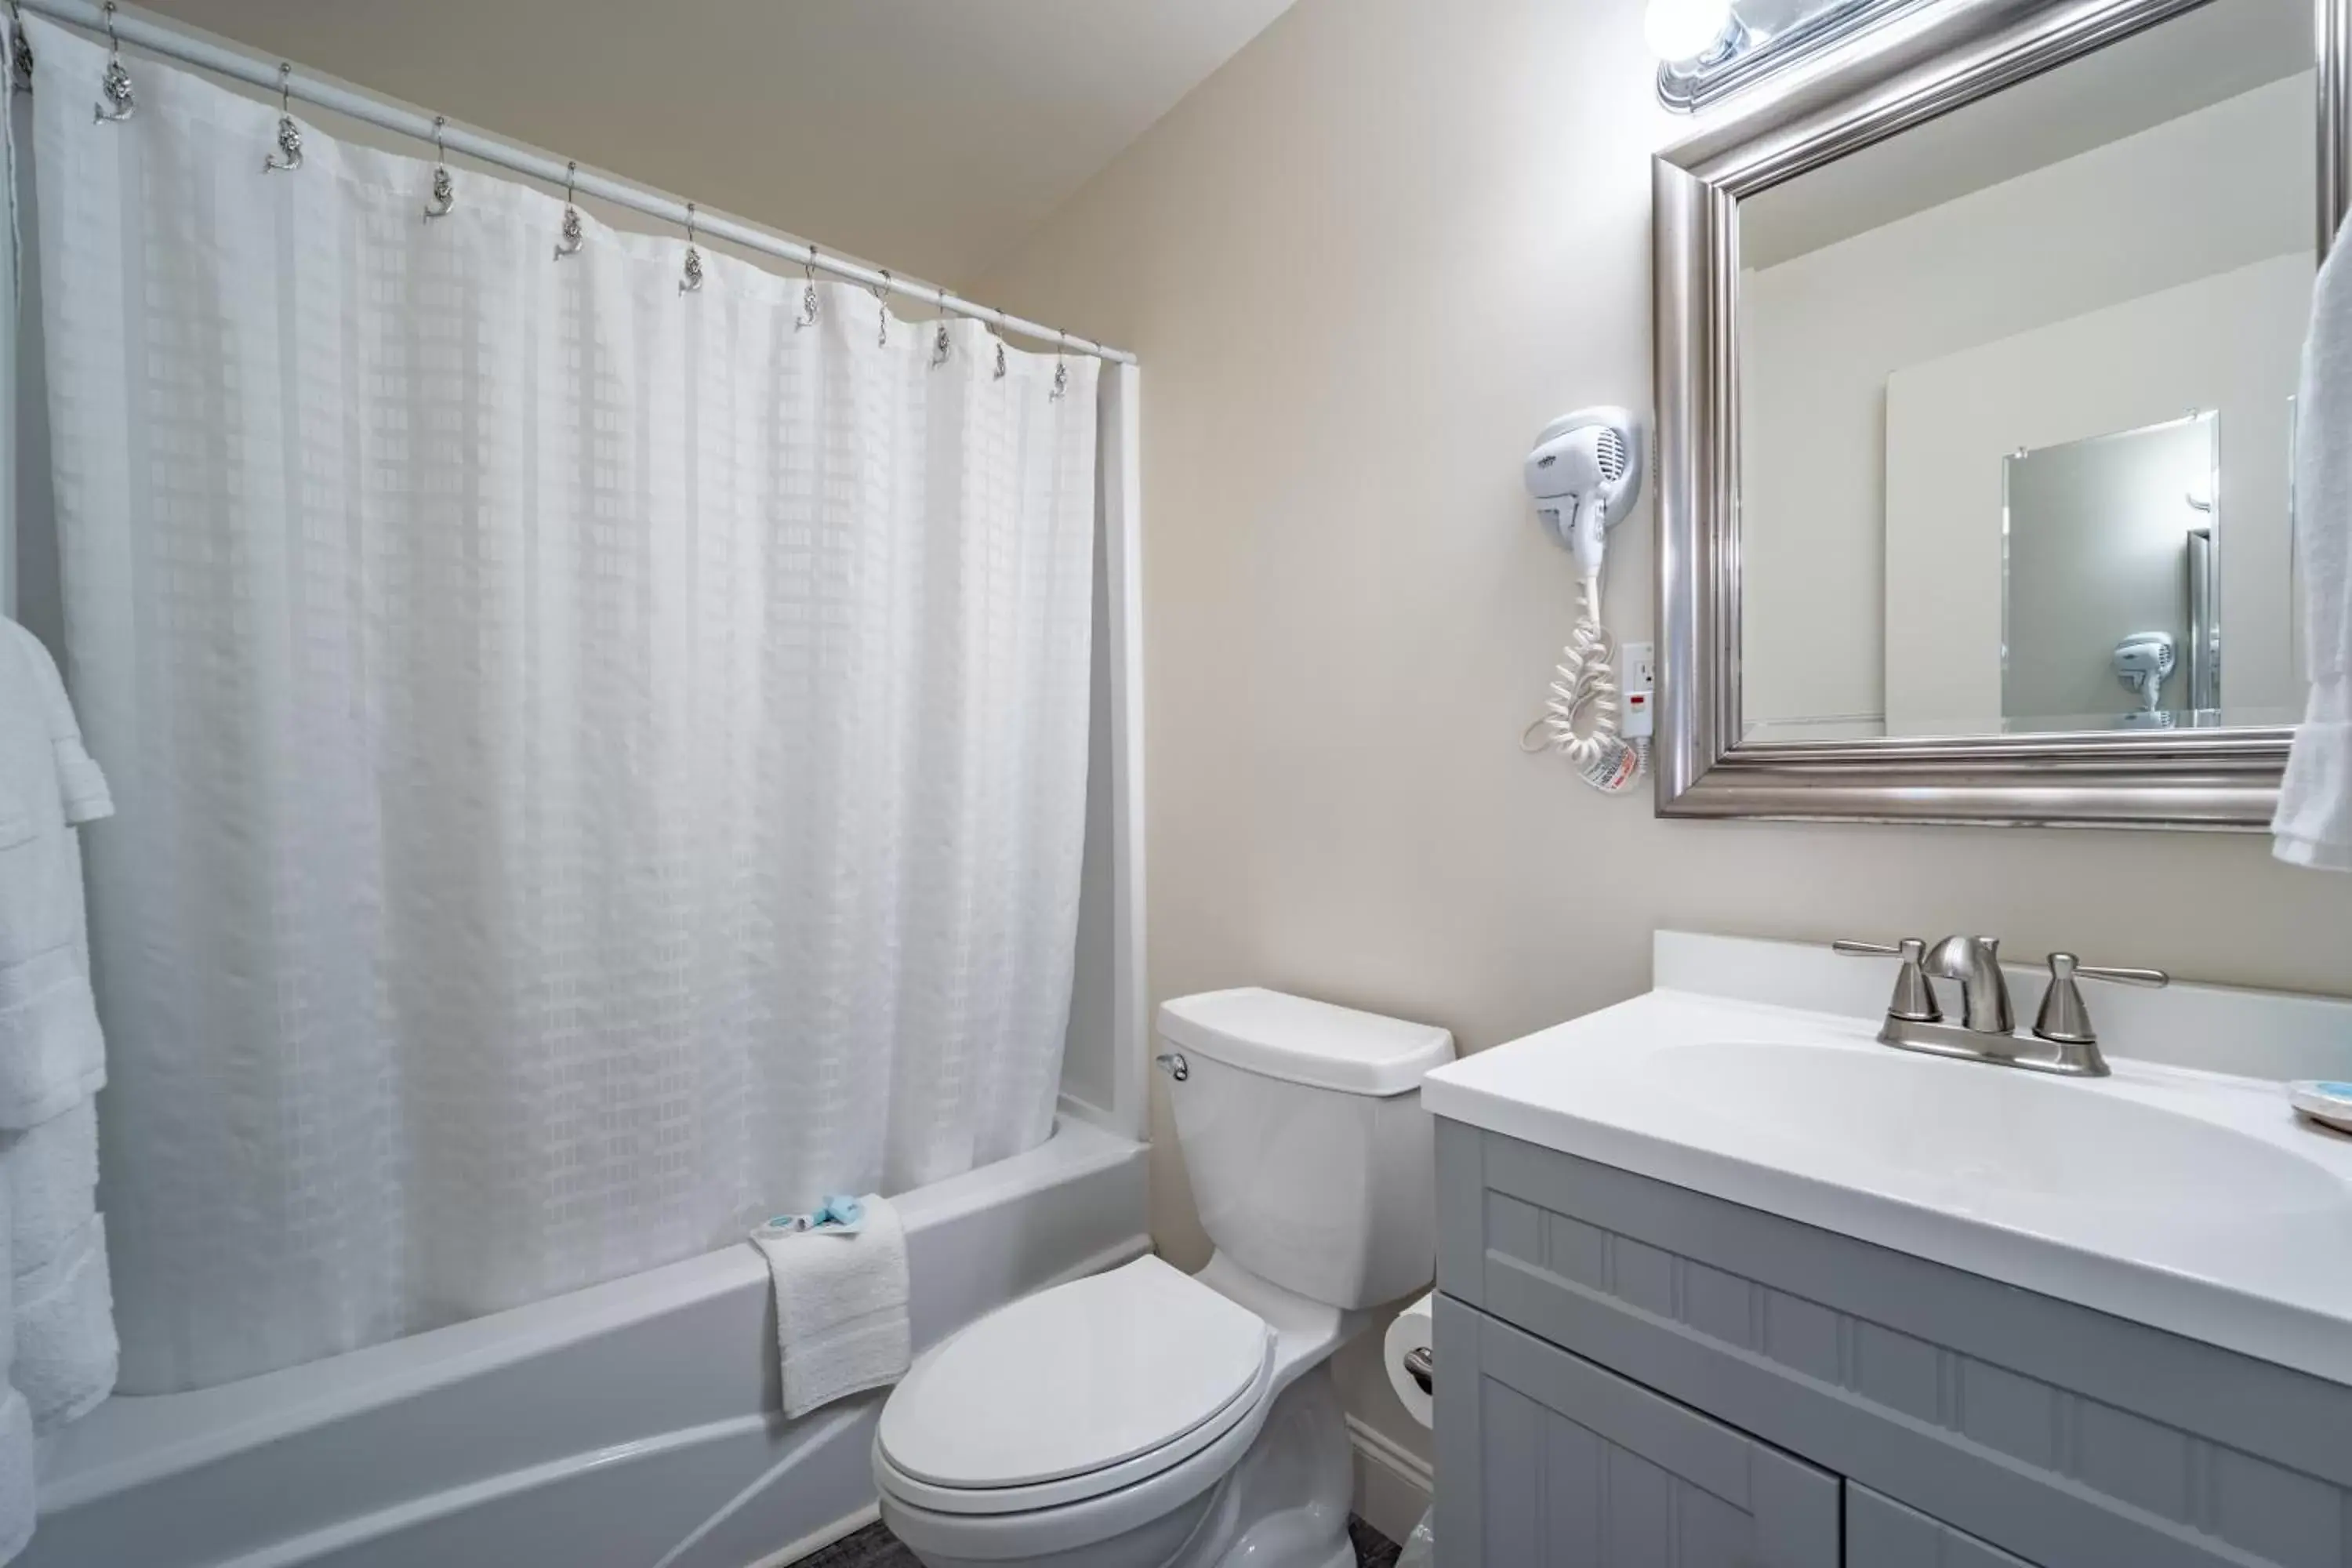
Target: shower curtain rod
162, 39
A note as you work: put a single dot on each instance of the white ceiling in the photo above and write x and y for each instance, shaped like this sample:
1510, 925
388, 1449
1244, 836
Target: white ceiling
925, 135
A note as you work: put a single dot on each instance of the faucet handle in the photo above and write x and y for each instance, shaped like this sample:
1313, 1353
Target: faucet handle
2154, 979
1914, 998
2064, 1018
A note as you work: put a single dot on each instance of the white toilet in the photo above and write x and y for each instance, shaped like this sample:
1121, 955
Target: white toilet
1147, 1419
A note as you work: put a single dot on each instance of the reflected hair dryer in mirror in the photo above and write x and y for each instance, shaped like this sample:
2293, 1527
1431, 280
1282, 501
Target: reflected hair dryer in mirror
2144, 661
1585, 474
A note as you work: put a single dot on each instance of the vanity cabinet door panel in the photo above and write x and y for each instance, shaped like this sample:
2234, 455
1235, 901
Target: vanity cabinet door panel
2070, 1438
1882, 1534
1565, 1464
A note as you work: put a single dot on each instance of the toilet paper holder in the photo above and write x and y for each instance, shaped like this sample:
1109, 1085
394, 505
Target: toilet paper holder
1421, 1367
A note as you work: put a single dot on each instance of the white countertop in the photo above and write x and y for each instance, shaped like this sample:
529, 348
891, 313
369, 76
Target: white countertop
2188, 1200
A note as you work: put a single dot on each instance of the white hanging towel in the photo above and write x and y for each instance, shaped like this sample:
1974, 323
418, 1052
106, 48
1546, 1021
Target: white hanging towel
81, 789
52, 1056
841, 1307
50, 1173
2313, 824
52, 1061
67, 1353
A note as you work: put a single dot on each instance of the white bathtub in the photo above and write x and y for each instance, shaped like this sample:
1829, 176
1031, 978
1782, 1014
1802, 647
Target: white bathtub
632, 1424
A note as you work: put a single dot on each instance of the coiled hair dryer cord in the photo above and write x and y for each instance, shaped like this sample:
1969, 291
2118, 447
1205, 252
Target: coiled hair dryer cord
1581, 716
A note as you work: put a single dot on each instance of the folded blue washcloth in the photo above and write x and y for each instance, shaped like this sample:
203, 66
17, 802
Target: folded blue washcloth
838, 1213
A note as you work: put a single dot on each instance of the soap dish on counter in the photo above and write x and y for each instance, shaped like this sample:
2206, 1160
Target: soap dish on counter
2325, 1101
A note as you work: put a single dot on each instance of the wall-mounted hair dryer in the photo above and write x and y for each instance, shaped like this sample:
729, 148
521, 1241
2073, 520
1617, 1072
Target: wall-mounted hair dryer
1585, 474
2144, 661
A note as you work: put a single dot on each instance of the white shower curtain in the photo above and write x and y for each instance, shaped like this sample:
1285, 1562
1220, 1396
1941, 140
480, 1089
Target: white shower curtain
595, 764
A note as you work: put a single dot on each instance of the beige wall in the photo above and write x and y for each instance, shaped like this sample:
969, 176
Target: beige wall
1363, 264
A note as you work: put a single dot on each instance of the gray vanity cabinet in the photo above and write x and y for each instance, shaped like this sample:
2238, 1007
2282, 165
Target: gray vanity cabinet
1582, 1470
1882, 1534
1633, 1372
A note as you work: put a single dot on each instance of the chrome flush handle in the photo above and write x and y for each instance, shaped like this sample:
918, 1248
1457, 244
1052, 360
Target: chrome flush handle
1174, 1064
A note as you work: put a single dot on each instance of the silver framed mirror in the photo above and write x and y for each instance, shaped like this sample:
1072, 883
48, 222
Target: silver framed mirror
1873, 575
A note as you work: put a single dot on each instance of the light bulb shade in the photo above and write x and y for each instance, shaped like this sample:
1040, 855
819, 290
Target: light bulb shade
1685, 30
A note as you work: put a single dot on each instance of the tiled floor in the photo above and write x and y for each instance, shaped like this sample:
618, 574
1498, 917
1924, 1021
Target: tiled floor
1374, 1550
873, 1547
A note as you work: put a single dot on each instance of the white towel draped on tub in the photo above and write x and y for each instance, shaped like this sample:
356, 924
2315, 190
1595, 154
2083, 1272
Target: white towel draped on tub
60, 1306
2314, 826
841, 1308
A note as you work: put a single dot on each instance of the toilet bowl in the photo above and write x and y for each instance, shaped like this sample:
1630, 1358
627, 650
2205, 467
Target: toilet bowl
1147, 1419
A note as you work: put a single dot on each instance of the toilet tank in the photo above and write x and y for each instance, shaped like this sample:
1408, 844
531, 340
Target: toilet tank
1310, 1157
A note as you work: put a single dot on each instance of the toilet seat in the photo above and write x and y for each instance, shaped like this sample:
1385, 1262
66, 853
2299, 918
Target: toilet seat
1079, 1391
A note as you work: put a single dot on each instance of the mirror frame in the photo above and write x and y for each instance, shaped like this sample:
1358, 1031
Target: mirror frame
1907, 71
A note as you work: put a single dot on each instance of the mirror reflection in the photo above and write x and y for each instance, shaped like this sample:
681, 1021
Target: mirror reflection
2108, 600
2016, 401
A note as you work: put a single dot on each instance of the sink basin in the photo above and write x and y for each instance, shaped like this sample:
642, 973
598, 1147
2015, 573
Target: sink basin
2191, 1201
1973, 1138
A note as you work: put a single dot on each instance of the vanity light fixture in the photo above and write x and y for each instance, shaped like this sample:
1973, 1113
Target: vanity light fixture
1707, 49
1685, 30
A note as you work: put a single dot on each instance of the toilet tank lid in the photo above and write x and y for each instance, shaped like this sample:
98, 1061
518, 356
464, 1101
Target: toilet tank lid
1303, 1041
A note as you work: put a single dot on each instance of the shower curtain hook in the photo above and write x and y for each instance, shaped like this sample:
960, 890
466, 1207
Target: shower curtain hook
20, 47
692, 282
289, 135
882, 296
570, 244
1061, 365
943, 344
444, 189
807, 318
120, 102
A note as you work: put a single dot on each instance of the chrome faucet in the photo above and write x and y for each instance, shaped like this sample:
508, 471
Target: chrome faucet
1975, 963
2062, 1040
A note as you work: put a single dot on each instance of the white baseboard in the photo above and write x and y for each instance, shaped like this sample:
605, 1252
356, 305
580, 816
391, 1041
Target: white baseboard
817, 1540
1393, 1485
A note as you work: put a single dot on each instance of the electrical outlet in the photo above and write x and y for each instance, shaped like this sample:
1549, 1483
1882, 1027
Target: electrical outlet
1640, 688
